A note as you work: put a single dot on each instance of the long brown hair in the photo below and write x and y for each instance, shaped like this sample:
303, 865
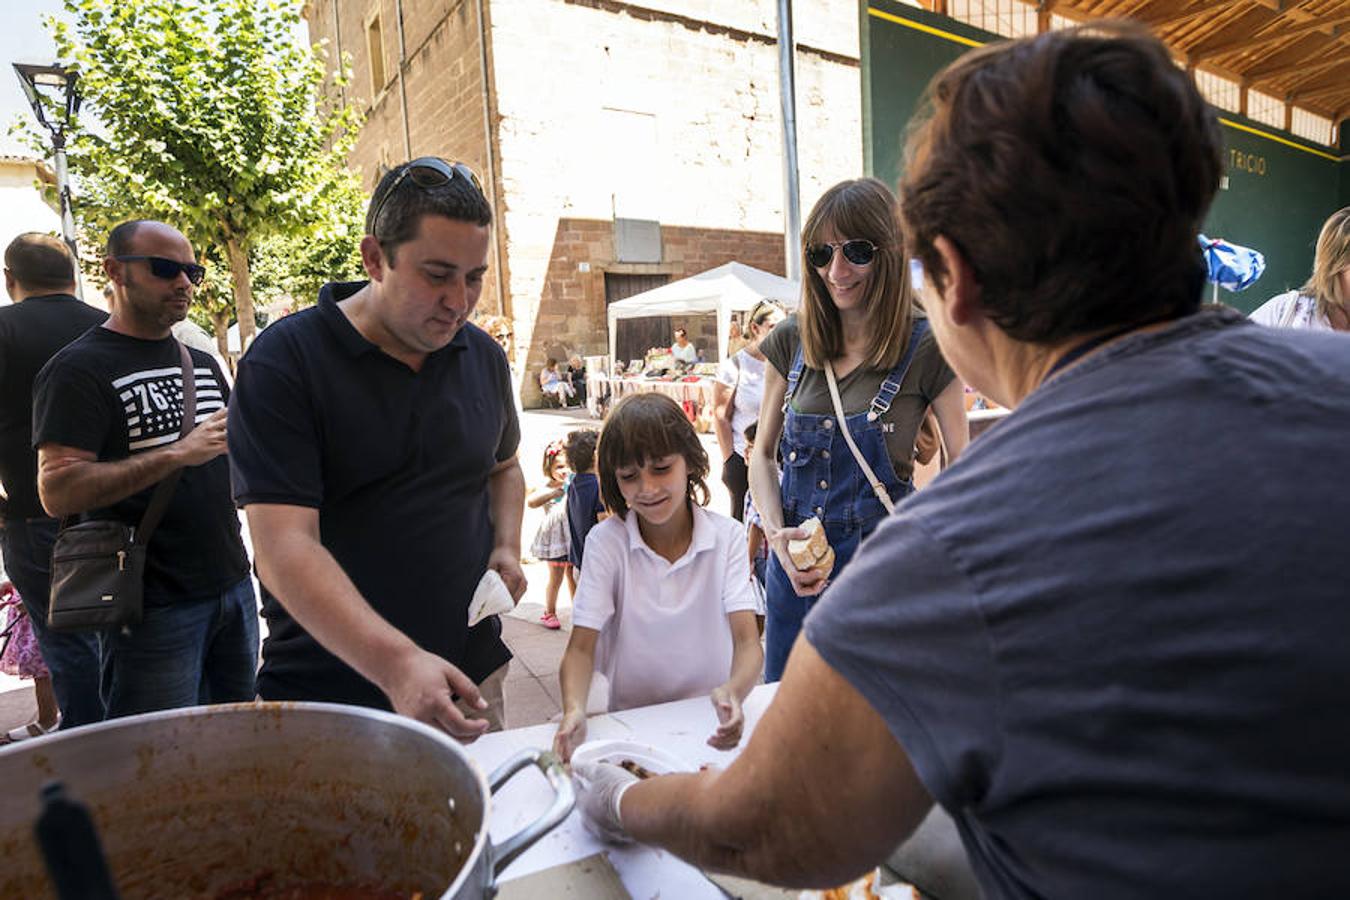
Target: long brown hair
1332, 257
643, 427
864, 209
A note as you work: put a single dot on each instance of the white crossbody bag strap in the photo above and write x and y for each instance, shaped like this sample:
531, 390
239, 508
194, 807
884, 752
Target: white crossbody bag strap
1287, 319
872, 478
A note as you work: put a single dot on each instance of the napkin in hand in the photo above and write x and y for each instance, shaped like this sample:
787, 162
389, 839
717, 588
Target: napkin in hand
490, 598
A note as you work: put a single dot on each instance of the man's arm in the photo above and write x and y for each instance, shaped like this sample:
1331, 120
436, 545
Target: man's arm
72, 480
304, 576
506, 496
821, 794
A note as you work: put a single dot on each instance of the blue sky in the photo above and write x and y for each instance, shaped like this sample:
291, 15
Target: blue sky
22, 39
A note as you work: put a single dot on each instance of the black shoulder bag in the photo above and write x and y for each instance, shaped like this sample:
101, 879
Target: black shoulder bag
98, 566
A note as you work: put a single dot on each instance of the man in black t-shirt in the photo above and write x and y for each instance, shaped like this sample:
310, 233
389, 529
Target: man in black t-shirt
40, 277
107, 413
373, 446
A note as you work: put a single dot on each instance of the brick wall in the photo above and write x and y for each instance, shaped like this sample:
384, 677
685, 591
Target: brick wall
661, 109
666, 111
570, 310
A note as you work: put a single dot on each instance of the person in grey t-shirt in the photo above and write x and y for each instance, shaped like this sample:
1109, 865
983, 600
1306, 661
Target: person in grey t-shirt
1110, 639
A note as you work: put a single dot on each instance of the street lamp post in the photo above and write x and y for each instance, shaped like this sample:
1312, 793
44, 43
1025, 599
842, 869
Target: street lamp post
60, 82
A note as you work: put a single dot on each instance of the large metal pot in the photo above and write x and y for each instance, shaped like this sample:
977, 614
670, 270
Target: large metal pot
196, 802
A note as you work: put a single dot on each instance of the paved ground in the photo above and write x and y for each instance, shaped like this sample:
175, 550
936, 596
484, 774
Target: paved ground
532, 686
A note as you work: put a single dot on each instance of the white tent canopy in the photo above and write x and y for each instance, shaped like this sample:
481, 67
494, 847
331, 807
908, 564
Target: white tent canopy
733, 287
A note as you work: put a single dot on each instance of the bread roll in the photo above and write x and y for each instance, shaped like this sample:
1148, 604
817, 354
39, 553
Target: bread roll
808, 552
826, 563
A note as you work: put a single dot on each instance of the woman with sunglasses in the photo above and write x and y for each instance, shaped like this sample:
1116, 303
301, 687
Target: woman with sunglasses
857, 320
736, 397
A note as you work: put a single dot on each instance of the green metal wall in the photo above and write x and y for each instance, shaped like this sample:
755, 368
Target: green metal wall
1280, 188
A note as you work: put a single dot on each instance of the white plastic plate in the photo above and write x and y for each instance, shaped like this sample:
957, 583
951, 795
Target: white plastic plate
653, 759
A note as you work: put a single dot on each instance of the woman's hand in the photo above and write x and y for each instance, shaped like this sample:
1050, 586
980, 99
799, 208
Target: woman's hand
571, 734
730, 719
808, 583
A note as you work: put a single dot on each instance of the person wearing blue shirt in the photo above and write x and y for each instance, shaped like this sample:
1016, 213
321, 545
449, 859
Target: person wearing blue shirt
584, 506
1108, 641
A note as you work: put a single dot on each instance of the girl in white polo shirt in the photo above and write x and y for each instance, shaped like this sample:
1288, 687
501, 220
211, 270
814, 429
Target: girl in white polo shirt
665, 609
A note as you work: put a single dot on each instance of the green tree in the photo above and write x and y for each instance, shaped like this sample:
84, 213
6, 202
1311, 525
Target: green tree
291, 267
212, 302
211, 118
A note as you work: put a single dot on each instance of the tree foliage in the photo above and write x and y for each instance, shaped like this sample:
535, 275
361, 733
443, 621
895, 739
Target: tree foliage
211, 118
291, 267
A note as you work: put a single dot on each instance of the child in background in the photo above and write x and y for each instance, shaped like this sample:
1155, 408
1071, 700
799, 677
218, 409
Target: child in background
584, 508
754, 526
21, 658
665, 609
551, 541
552, 383
576, 374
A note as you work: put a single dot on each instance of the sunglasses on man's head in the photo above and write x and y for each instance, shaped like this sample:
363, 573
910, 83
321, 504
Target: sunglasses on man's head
168, 269
859, 252
427, 172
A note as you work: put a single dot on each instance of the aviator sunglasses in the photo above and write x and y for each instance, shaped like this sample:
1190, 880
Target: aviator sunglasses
858, 251
168, 269
426, 172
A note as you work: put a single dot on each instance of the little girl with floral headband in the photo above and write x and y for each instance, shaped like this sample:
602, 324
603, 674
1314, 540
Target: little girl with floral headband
551, 540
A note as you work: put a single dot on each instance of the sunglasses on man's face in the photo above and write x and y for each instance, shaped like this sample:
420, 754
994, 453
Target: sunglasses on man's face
427, 172
168, 269
858, 252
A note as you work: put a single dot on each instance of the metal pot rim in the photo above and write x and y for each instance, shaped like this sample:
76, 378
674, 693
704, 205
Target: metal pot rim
480, 837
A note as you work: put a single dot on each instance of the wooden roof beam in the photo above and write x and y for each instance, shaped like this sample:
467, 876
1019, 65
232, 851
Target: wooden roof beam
1247, 43
1317, 93
1303, 65
1177, 18
1317, 80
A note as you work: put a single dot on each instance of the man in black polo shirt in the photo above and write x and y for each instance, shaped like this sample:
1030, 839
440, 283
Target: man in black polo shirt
373, 446
40, 278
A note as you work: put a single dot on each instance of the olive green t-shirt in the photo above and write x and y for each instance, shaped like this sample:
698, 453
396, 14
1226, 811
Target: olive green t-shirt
928, 375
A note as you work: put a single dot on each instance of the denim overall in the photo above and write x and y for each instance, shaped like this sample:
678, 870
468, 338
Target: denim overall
821, 478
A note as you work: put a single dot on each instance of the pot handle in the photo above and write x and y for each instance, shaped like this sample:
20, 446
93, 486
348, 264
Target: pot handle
564, 799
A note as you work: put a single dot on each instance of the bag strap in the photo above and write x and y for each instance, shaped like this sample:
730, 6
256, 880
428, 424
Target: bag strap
844, 430
880, 404
1290, 312
794, 376
159, 501
731, 400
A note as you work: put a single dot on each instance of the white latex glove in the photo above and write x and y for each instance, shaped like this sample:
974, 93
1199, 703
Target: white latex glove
600, 788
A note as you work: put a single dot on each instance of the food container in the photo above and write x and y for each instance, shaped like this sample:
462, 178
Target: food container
249, 800
652, 759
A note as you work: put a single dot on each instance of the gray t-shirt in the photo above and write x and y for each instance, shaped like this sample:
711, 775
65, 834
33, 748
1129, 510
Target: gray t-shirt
928, 375
1112, 637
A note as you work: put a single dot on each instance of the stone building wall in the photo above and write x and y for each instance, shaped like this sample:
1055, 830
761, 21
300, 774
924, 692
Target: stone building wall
441, 75
671, 113
664, 110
